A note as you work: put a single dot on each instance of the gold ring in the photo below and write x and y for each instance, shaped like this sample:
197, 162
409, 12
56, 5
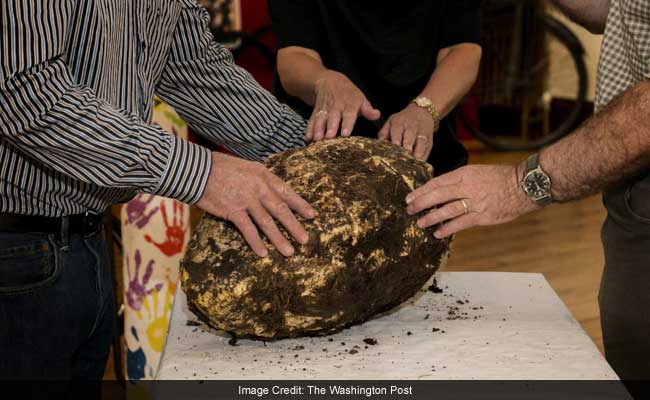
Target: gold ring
321, 112
465, 206
423, 137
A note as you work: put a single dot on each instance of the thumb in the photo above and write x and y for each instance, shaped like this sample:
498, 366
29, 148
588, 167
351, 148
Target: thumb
369, 112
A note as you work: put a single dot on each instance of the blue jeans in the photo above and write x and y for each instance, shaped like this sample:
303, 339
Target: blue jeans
56, 306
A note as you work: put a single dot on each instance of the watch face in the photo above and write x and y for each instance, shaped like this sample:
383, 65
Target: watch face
537, 185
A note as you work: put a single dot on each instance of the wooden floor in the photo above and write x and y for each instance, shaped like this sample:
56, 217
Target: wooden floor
562, 242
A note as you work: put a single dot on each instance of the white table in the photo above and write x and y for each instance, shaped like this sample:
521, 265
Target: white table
515, 327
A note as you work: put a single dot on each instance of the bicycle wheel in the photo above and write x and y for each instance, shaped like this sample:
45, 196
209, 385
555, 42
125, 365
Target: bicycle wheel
529, 93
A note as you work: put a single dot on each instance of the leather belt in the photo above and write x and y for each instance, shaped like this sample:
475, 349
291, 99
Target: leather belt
80, 224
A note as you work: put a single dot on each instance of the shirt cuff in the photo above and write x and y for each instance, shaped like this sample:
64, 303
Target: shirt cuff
186, 173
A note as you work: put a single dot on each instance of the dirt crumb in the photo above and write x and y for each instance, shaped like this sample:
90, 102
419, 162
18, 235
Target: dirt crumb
434, 287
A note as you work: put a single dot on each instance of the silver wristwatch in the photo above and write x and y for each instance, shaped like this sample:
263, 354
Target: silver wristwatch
536, 182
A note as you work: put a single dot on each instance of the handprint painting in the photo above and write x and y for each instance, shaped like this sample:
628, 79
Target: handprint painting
175, 229
155, 232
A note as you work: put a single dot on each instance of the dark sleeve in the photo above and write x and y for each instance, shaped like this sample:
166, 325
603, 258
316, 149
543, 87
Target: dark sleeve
462, 22
297, 23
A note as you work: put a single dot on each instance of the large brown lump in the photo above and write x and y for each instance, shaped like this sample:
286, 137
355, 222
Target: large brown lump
365, 254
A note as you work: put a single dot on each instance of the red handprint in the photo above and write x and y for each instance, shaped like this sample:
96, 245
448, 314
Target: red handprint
175, 231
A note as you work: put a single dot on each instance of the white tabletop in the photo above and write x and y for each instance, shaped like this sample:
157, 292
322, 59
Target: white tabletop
514, 326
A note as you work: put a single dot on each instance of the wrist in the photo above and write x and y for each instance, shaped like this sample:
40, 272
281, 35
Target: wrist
186, 175
427, 105
526, 203
322, 79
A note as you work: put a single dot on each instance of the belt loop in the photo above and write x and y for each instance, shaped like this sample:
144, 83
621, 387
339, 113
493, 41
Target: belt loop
65, 233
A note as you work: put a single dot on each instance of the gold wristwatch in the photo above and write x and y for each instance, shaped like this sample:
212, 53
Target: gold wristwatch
427, 104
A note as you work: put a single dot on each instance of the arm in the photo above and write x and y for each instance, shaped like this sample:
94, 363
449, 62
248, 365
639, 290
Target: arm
591, 14
299, 69
456, 72
225, 104
64, 126
454, 76
220, 100
609, 148
336, 101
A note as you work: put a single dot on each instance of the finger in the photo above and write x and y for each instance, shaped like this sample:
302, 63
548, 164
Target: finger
427, 152
281, 212
320, 123
433, 198
422, 147
309, 133
410, 136
349, 119
369, 112
295, 202
265, 222
384, 133
396, 133
250, 233
446, 213
454, 226
333, 124
435, 183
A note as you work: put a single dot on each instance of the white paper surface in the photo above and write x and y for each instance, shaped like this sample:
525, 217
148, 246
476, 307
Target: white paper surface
515, 327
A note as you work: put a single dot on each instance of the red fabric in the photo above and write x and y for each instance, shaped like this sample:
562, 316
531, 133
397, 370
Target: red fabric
255, 16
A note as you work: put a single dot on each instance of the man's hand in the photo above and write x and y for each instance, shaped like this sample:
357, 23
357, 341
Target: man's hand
238, 190
338, 105
411, 128
476, 195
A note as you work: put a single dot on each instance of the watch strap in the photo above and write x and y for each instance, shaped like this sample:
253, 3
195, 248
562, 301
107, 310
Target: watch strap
544, 201
532, 163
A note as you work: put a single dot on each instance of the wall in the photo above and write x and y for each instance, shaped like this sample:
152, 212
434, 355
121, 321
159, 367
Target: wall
561, 83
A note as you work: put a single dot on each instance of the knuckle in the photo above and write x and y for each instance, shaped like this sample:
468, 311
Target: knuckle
431, 217
459, 208
282, 209
425, 201
266, 222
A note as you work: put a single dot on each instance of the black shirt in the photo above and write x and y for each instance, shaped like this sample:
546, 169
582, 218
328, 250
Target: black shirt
387, 48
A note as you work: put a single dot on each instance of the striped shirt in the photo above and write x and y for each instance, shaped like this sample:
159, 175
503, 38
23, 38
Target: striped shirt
77, 81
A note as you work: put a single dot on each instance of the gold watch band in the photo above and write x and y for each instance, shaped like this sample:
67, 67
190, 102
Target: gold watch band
426, 104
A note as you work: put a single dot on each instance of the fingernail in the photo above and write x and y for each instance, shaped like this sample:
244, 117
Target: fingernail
264, 253
311, 214
438, 235
409, 211
409, 199
420, 224
345, 132
304, 239
289, 250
